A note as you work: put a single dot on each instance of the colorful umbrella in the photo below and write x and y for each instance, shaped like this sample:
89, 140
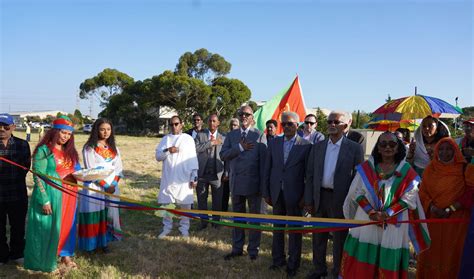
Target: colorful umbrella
391, 125
417, 107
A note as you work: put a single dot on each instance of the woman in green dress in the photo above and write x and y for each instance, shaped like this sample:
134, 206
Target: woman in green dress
51, 227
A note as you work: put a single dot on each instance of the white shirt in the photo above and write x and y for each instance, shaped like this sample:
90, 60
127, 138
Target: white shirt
330, 160
246, 131
194, 134
214, 134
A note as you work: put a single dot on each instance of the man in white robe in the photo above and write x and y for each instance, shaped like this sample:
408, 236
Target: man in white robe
177, 151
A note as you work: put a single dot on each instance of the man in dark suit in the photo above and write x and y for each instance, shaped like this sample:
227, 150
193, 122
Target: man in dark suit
208, 145
351, 134
245, 154
329, 173
283, 187
233, 125
197, 126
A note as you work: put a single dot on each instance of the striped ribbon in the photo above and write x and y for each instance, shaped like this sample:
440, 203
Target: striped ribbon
294, 224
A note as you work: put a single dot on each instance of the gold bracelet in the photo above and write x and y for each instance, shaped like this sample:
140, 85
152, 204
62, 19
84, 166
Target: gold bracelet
452, 208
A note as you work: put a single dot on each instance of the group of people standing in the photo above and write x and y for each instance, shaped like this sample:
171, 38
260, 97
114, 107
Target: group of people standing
57, 220
302, 172
299, 173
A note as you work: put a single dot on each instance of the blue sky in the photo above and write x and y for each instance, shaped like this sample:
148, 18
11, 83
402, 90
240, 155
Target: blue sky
348, 54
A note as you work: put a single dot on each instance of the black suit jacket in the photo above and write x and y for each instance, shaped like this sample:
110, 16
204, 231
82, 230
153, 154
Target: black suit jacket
355, 136
350, 155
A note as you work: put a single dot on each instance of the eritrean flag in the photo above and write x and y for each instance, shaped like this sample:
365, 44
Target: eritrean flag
291, 99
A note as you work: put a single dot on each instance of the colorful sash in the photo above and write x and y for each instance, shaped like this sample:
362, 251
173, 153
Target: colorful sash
405, 180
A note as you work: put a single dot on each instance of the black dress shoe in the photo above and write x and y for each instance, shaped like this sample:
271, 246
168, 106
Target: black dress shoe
202, 227
276, 266
229, 256
316, 275
253, 257
291, 272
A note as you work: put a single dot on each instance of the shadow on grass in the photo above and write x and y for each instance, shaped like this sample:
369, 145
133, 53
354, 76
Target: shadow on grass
141, 181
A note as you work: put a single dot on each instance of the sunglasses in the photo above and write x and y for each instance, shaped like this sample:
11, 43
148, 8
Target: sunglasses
289, 124
246, 114
6, 127
384, 144
175, 124
309, 123
335, 122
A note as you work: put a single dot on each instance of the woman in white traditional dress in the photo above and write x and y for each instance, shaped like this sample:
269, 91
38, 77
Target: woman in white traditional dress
385, 188
99, 221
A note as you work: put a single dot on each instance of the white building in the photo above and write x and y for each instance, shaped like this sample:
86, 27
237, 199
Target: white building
19, 116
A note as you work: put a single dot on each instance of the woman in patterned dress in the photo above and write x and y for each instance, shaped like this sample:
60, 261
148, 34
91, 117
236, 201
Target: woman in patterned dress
99, 223
384, 188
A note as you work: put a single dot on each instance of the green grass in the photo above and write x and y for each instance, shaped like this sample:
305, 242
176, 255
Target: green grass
142, 255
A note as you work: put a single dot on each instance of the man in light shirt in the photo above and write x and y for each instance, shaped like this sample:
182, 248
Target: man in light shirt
330, 170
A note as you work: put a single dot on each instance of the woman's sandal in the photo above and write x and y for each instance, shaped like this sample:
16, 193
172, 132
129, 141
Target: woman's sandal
71, 265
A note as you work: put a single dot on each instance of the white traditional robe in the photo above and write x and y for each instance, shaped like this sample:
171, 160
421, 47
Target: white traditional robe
178, 169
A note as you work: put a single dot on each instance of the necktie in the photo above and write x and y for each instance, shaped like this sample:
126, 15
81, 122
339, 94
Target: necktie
212, 137
244, 134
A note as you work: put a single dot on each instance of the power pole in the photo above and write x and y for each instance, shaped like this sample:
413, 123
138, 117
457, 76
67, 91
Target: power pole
456, 119
78, 102
91, 105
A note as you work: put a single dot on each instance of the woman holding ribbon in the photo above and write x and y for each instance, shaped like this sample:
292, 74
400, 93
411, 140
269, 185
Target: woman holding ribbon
441, 190
385, 189
51, 230
99, 223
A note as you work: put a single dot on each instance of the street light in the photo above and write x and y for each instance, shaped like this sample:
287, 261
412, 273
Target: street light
456, 119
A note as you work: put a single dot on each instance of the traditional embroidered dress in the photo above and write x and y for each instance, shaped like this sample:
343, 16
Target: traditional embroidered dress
99, 223
376, 252
48, 236
443, 184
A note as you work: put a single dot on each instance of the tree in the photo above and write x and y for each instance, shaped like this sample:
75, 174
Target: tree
253, 105
322, 119
359, 119
104, 85
202, 65
468, 112
49, 119
227, 96
78, 114
139, 104
185, 94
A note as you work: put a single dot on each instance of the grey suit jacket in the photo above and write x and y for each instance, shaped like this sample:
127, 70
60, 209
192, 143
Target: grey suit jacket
290, 174
245, 167
350, 155
204, 149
